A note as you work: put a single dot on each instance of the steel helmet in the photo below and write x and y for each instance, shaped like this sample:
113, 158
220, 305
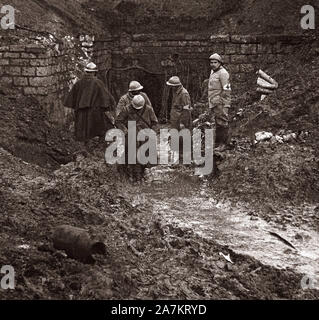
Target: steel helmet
135, 86
174, 81
138, 102
90, 67
217, 57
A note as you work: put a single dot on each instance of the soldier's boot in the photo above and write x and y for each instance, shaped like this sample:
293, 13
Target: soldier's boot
222, 138
216, 171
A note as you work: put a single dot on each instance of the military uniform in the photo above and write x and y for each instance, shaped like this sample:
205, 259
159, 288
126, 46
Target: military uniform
144, 118
179, 115
90, 100
126, 100
219, 99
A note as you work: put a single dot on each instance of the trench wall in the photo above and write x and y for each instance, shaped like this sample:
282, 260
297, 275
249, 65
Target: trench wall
34, 70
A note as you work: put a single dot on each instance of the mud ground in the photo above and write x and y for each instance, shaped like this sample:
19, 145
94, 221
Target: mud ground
146, 258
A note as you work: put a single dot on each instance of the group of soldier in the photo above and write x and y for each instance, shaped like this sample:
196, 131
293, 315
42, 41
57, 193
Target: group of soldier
96, 110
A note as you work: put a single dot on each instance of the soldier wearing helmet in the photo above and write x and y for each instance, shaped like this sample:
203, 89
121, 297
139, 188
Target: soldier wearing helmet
180, 116
144, 116
92, 104
138, 110
135, 88
181, 105
219, 99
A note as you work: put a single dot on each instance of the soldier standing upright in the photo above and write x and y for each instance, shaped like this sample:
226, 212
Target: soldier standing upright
219, 99
91, 101
180, 116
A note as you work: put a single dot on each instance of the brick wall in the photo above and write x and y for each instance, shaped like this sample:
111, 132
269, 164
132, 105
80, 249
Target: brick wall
38, 71
102, 54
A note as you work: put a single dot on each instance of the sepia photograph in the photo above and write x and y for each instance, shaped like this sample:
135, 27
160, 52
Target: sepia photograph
159, 154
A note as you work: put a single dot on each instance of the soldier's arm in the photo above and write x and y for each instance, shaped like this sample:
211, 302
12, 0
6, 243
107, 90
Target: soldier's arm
147, 100
186, 102
154, 120
120, 106
224, 79
121, 120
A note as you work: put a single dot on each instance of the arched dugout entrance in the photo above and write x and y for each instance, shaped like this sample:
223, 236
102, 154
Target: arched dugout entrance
117, 81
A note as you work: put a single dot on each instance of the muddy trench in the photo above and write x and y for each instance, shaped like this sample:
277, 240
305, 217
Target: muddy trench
175, 231
188, 201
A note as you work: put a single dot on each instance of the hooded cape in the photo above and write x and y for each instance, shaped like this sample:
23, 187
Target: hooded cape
90, 99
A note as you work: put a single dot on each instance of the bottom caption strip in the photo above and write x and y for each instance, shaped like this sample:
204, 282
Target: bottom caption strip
172, 309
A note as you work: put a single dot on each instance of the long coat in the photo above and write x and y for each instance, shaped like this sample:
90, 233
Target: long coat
179, 115
90, 100
144, 118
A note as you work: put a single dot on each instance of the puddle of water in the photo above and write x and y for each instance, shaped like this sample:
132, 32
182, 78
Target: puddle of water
186, 203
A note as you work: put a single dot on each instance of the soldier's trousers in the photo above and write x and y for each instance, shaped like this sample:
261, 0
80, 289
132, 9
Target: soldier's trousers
178, 117
136, 170
222, 124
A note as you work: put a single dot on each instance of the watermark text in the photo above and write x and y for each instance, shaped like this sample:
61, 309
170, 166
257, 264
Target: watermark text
7, 280
192, 147
7, 16
308, 20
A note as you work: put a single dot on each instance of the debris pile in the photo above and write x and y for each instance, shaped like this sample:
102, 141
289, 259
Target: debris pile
280, 137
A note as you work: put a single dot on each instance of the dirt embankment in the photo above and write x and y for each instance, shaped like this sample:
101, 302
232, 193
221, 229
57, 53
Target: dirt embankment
26, 133
75, 17
274, 175
215, 16
58, 17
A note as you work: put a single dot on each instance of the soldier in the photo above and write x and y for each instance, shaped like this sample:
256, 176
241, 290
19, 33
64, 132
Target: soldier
219, 98
91, 101
145, 118
180, 116
135, 88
